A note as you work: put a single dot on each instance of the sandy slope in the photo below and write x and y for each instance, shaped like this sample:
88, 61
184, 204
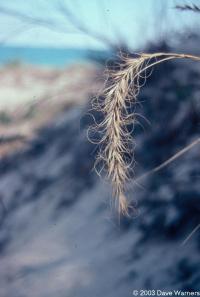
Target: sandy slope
30, 96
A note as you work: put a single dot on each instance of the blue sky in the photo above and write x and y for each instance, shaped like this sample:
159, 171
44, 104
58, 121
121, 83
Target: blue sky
134, 20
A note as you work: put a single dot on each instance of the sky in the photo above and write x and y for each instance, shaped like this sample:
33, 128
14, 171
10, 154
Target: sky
132, 21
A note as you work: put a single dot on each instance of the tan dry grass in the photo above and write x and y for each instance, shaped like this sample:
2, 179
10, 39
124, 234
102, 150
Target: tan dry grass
121, 91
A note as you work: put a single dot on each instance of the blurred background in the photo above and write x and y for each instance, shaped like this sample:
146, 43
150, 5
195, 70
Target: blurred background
58, 235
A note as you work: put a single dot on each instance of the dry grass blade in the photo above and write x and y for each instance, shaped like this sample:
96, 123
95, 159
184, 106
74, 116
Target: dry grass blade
117, 142
187, 7
170, 160
191, 234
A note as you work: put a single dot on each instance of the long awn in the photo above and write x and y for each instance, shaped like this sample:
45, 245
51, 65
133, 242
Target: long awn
117, 143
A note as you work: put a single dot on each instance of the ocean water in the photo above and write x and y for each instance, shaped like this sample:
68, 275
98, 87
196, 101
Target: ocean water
59, 57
